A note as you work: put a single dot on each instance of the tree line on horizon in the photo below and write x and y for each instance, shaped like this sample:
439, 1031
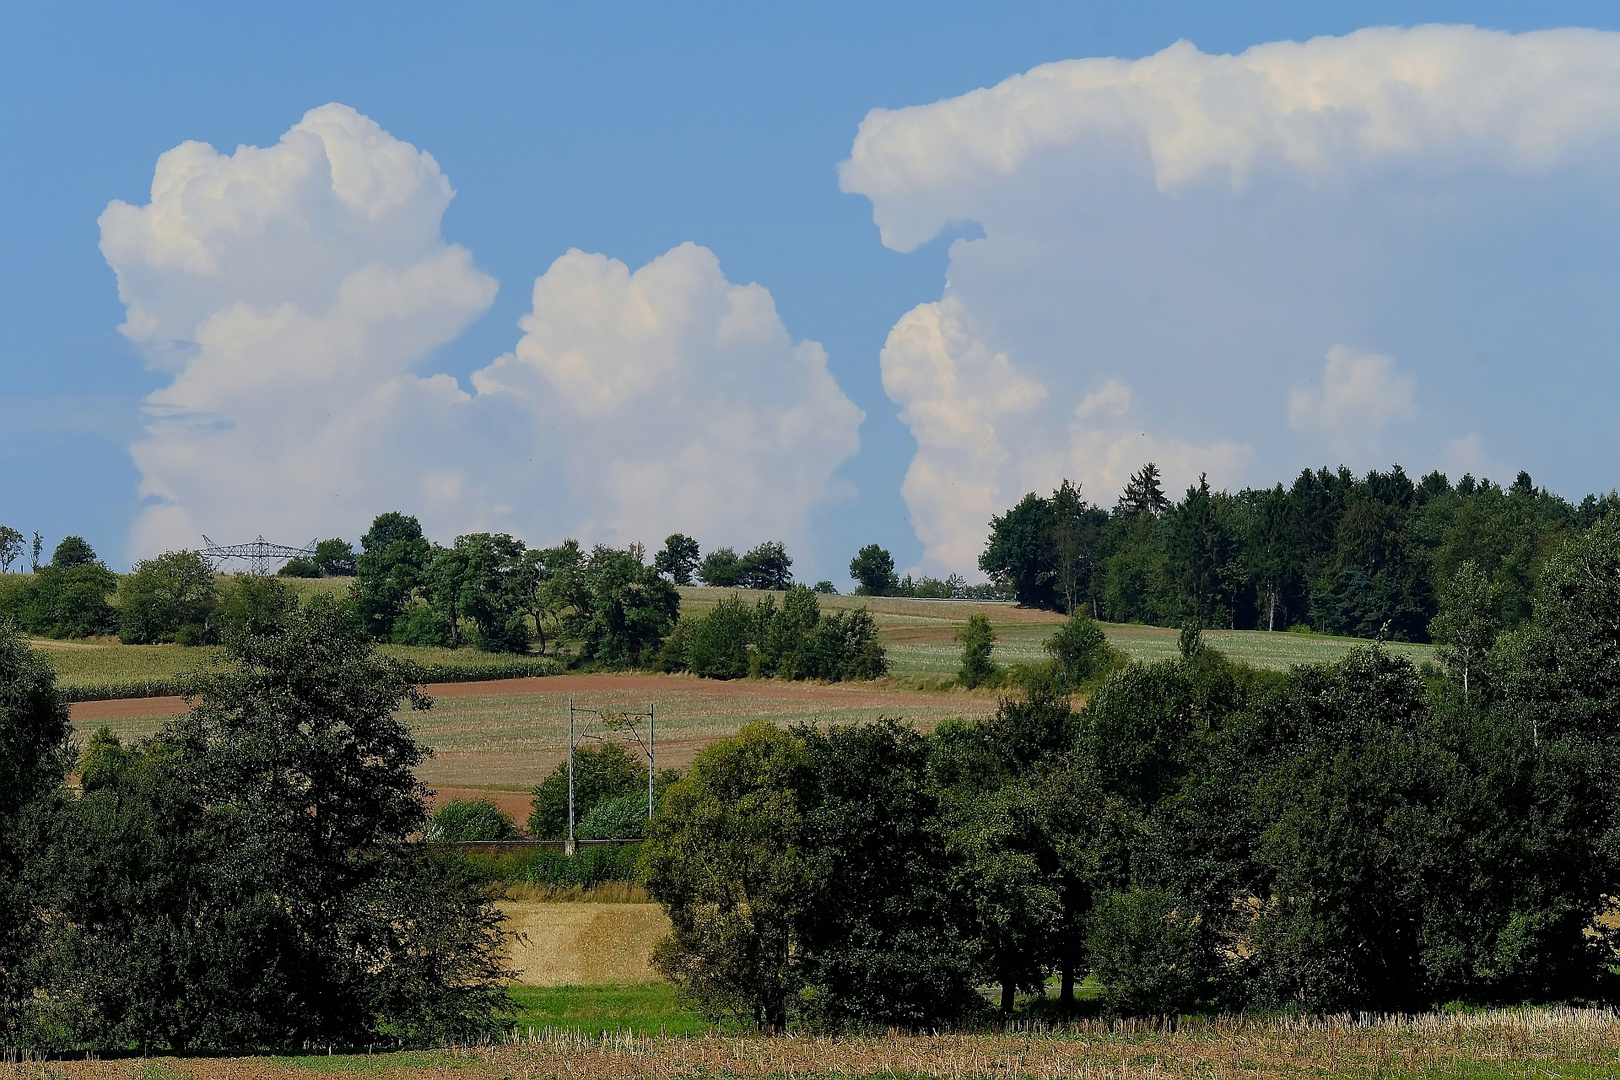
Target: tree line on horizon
1364, 556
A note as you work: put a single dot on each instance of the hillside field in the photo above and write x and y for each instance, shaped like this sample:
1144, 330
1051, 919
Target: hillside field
499, 739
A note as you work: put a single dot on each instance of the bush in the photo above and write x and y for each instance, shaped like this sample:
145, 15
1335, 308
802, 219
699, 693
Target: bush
1145, 954
299, 567
461, 820
1079, 651
623, 818
717, 643
166, 599
252, 604
601, 774
421, 625
586, 868
978, 640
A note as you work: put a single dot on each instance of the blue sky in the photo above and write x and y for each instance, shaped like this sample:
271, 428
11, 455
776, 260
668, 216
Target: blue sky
628, 130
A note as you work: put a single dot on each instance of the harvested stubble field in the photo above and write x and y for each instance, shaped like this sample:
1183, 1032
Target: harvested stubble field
1518, 1044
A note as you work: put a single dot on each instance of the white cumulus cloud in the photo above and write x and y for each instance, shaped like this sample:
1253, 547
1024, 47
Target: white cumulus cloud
685, 402
295, 294
1359, 397
1164, 238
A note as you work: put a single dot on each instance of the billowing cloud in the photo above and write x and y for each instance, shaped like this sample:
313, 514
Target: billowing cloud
685, 402
1170, 246
295, 294
1358, 398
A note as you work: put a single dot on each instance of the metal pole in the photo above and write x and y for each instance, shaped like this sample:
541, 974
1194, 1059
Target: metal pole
570, 846
652, 741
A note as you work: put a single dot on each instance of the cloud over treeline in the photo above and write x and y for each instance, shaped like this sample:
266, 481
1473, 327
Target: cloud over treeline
1172, 245
296, 294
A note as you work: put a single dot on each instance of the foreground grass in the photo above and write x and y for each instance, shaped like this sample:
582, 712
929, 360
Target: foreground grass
650, 1009
1507, 1045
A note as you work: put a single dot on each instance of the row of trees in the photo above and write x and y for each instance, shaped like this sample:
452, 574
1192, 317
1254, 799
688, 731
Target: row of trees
875, 575
1364, 557
245, 878
491, 590
735, 640
1200, 836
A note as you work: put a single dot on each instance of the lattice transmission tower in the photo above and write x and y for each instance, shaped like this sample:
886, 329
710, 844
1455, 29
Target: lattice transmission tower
260, 553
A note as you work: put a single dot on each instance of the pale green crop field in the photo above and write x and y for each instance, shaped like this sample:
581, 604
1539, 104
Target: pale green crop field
920, 634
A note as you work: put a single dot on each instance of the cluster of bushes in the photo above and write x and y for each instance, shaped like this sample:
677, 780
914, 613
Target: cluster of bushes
735, 640
66, 598
1201, 836
244, 879
610, 796
1364, 557
332, 558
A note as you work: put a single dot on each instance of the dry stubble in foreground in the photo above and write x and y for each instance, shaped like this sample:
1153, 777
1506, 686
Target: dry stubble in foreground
1518, 1043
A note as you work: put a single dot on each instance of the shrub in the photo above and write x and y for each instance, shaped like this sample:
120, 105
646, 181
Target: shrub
586, 868
623, 818
601, 773
1079, 651
717, 643
255, 605
461, 820
1145, 954
168, 597
978, 640
299, 567
421, 625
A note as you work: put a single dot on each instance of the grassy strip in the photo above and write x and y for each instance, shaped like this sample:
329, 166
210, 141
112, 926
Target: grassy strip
649, 1009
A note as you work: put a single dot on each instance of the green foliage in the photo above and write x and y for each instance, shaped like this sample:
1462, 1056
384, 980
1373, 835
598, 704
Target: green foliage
1145, 953
169, 596
879, 935
724, 857
826, 588
334, 558
795, 641
717, 641
251, 604
602, 773
299, 567
34, 756
978, 641
587, 868
392, 565
462, 820
765, 566
621, 818
721, 568
1364, 557
1466, 627
1079, 651
483, 579
873, 571
11, 547
679, 558
66, 599
622, 610
245, 879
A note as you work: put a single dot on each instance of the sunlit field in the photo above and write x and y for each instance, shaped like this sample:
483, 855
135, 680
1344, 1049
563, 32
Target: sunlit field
611, 1032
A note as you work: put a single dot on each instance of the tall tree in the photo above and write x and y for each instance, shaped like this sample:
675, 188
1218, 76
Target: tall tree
678, 559
873, 571
392, 565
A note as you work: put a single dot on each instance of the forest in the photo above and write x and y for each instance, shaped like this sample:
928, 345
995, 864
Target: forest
1333, 553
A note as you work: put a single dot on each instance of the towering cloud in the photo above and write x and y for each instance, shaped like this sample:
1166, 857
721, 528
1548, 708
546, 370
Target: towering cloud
295, 294
1172, 245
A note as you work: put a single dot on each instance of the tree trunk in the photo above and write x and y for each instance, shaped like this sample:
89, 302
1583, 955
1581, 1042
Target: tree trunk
1008, 990
1067, 998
